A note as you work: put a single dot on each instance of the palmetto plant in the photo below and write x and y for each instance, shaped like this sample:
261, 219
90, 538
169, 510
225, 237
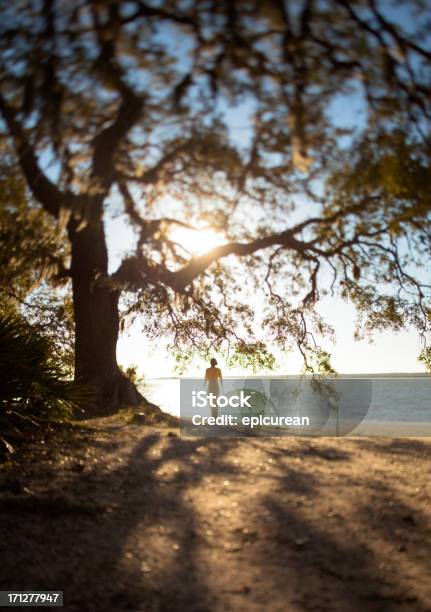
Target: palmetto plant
34, 386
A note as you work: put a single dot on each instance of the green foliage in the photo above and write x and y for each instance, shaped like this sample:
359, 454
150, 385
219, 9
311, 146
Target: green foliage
31, 247
50, 312
32, 253
247, 355
425, 358
318, 361
251, 355
131, 372
35, 387
183, 359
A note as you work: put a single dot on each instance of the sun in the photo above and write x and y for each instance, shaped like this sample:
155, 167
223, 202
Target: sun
196, 242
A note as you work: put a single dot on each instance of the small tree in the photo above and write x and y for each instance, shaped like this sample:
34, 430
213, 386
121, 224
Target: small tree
33, 256
123, 104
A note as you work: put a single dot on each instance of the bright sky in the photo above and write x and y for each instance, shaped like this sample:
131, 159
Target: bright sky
390, 352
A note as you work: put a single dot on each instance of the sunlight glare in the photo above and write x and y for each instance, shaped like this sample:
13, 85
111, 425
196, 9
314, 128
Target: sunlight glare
196, 242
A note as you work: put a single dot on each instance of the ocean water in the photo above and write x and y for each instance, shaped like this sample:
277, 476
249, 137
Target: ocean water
398, 405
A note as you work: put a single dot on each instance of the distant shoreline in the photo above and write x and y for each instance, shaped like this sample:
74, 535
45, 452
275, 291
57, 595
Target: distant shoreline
293, 376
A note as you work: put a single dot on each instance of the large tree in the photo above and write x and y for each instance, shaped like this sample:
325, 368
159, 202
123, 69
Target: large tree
134, 104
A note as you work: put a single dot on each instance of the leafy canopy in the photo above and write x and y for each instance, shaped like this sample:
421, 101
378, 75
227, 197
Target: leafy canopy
132, 106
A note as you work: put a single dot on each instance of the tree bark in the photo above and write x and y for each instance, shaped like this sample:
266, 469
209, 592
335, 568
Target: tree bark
97, 322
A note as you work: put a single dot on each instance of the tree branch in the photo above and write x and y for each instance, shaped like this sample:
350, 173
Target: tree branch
137, 271
197, 265
106, 143
44, 190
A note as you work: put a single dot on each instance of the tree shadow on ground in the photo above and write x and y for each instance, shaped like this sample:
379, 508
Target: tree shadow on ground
146, 551
395, 446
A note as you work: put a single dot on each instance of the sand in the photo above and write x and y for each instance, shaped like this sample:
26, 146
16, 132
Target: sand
125, 516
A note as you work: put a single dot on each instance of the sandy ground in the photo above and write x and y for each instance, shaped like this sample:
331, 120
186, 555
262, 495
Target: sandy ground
132, 517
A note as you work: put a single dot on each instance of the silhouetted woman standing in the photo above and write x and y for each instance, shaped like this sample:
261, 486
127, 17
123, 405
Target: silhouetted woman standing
212, 378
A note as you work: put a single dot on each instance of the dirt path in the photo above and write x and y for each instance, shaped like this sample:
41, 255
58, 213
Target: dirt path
124, 517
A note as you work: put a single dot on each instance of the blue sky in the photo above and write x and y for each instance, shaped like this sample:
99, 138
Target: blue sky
390, 351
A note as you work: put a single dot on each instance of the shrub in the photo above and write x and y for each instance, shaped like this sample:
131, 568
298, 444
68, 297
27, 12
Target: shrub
34, 386
131, 372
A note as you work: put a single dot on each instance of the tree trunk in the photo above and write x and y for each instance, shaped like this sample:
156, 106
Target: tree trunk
97, 322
